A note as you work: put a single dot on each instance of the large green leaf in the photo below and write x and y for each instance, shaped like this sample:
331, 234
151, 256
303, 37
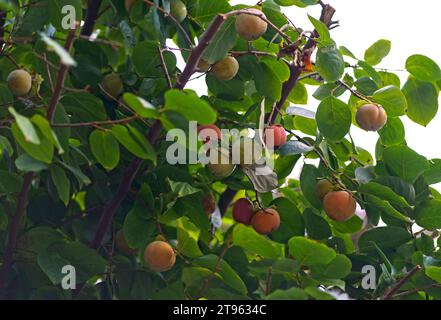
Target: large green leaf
42, 152
248, 239
147, 60
375, 53
105, 148
330, 63
392, 133
404, 162
222, 43
383, 237
423, 68
333, 118
428, 214
309, 252
190, 106
422, 100
392, 100
131, 139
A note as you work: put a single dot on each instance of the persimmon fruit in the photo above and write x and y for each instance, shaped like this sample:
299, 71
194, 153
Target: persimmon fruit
159, 256
251, 27
225, 69
243, 211
19, 82
339, 205
371, 117
266, 221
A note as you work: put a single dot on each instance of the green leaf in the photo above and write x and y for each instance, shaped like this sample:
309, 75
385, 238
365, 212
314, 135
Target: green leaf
309, 252
434, 273
52, 264
139, 226
204, 11
338, 268
222, 43
308, 182
294, 147
289, 294
229, 276
131, 139
317, 227
140, 106
147, 61
422, 100
61, 182
299, 94
322, 30
423, 68
57, 14
383, 237
87, 262
188, 244
333, 118
43, 152
330, 63
26, 163
404, 162
291, 220
248, 239
45, 128
105, 148
392, 100
383, 192
375, 53
392, 133
10, 182
386, 208
182, 189
299, 3
268, 84
428, 214
26, 127
190, 106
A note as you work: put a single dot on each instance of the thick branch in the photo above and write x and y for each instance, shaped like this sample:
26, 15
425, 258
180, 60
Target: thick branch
296, 70
92, 15
13, 232
61, 77
225, 199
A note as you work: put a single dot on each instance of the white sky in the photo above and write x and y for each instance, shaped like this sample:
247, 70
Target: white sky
411, 26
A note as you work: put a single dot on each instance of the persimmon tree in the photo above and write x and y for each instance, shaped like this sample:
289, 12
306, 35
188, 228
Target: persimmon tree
91, 208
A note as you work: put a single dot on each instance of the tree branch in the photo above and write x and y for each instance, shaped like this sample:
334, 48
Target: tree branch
225, 199
295, 69
13, 232
400, 283
93, 9
61, 77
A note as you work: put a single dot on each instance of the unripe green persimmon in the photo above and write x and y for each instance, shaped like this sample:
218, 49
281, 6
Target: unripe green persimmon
221, 167
19, 82
322, 188
225, 69
112, 85
178, 10
203, 66
250, 27
371, 117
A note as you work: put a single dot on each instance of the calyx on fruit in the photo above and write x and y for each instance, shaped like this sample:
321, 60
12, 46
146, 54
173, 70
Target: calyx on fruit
276, 132
266, 221
178, 10
221, 165
159, 256
225, 69
251, 27
322, 188
339, 205
243, 211
19, 82
371, 117
112, 85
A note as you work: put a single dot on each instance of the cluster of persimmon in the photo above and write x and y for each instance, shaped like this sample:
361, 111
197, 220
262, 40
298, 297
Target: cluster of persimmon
339, 205
250, 25
264, 221
159, 255
224, 166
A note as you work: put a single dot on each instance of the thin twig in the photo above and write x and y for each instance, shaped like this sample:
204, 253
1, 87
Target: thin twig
95, 123
269, 278
390, 293
164, 68
416, 290
61, 77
